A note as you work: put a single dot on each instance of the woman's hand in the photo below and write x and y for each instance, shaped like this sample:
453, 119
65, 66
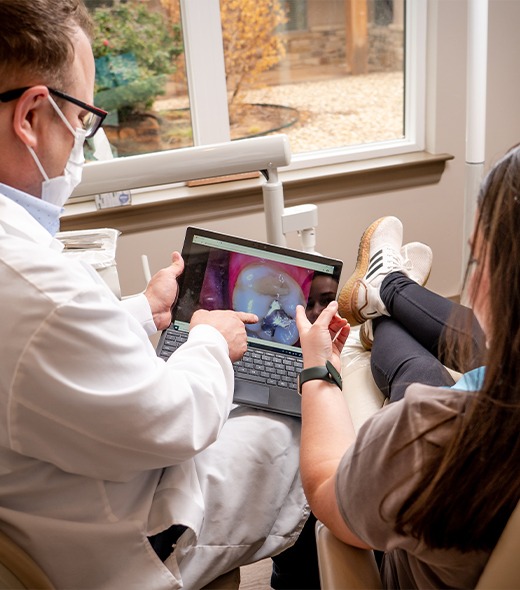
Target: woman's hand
323, 340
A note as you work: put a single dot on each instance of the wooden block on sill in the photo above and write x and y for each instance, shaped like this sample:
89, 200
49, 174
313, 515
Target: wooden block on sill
226, 178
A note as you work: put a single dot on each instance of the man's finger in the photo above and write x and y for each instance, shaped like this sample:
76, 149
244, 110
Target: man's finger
247, 318
178, 262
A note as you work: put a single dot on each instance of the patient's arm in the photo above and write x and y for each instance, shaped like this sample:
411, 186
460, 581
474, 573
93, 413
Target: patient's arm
326, 436
327, 429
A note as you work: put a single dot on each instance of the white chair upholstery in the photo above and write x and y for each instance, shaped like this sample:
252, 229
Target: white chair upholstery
343, 566
362, 395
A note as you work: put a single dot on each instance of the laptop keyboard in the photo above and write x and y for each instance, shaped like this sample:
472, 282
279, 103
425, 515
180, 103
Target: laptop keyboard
271, 368
172, 340
260, 366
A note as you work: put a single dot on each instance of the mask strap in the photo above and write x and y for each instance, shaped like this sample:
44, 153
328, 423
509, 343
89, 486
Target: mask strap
61, 115
38, 163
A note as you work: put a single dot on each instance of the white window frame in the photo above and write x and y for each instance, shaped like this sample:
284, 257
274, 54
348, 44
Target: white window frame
208, 95
414, 101
204, 56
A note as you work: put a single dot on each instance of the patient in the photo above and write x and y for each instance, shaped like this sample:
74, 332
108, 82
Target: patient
432, 479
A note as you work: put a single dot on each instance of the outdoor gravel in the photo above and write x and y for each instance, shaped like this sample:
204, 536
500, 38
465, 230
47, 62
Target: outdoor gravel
344, 111
347, 110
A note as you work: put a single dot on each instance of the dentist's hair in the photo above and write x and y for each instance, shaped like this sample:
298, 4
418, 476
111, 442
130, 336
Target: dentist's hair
37, 40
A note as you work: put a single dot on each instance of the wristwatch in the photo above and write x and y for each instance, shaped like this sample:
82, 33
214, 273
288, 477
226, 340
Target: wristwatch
326, 373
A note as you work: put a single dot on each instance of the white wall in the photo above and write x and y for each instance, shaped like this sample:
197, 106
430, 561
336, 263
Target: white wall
433, 214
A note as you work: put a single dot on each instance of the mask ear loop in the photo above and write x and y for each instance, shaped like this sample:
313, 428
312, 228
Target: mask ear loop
69, 127
37, 162
61, 115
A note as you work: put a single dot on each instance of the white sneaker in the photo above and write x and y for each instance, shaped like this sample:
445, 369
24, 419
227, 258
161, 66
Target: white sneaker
417, 262
378, 255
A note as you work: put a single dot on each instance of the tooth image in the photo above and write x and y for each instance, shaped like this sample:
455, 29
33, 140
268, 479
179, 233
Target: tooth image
267, 291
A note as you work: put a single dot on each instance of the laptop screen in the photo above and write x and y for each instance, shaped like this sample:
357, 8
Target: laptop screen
228, 272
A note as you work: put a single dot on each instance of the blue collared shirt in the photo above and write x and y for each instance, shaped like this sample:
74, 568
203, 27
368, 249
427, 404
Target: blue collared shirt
471, 381
46, 214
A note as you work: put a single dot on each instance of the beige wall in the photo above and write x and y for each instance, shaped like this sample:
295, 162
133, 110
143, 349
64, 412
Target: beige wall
433, 214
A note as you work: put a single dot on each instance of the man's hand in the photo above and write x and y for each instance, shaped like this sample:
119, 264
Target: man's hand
162, 291
230, 324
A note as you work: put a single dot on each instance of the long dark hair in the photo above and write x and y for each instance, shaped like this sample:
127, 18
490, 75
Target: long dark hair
468, 492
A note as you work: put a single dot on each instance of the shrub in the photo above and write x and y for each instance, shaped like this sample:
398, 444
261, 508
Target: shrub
135, 50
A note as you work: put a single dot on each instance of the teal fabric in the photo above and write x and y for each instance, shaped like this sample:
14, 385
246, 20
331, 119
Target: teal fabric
471, 381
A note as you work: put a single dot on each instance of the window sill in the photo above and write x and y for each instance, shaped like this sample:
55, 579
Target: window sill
181, 205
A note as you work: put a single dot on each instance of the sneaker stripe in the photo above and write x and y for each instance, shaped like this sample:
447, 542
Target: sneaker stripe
378, 254
375, 263
369, 266
373, 270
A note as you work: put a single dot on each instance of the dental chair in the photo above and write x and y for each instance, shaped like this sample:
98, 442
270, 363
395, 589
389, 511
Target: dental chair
344, 567
18, 571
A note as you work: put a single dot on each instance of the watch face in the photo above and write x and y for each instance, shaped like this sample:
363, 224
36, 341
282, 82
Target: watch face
334, 373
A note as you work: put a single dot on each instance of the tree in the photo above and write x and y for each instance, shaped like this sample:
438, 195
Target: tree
249, 34
251, 45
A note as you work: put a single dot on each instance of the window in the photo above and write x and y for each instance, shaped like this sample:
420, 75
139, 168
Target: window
344, 79
296, 11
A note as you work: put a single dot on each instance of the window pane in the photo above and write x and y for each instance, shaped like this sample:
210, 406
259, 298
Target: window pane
328, 73
140, 75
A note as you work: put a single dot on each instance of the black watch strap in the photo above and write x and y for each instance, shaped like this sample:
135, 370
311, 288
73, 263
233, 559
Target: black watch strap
324, 373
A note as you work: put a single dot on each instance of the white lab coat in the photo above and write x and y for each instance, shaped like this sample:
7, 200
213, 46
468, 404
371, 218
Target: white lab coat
102, 443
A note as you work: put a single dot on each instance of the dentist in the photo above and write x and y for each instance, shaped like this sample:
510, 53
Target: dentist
117, 469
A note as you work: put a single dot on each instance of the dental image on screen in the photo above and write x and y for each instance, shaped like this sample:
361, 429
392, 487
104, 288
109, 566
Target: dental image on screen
271, 290
268, 288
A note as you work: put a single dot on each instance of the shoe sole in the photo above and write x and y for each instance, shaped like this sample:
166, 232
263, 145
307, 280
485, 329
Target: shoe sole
349, 293
366, 342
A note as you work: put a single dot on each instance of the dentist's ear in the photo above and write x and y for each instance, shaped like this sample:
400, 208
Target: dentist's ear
28, 116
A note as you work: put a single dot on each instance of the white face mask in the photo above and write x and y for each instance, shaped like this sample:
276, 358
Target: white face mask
57, 190
101, 145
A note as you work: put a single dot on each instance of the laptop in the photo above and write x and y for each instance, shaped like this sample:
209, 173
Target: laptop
229, 272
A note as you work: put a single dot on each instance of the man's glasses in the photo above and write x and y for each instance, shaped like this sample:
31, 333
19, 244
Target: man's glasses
91, 120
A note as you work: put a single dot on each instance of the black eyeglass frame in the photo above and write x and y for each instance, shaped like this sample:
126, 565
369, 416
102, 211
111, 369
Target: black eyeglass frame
99, 113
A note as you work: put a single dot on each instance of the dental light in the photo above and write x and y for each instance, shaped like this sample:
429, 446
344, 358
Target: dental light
265, 154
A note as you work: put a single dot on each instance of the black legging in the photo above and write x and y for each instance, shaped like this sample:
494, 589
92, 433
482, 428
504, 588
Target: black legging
406, 349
